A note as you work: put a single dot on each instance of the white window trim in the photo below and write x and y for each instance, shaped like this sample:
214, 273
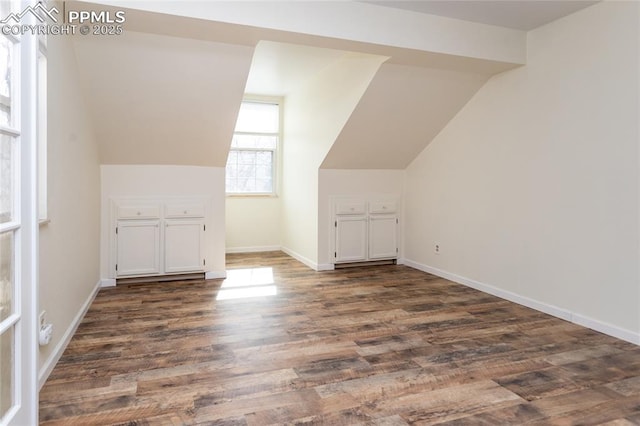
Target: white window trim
41, 131
275, 169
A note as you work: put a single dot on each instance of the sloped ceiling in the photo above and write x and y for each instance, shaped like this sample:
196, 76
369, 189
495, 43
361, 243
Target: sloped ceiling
167, 91
403, 109
279, 68
162, 100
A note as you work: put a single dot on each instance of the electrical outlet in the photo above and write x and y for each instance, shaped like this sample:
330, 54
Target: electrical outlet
436, 248
43, 318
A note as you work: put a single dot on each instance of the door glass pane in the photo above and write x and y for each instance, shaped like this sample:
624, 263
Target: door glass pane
6, 7
6, 179
5, 81
6, 275
6, 371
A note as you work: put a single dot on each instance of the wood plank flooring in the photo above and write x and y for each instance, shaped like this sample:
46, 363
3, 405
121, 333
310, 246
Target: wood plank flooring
384, 345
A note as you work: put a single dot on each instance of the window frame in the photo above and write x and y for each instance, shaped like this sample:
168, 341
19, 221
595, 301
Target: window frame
12, 323
42, 129
276, 152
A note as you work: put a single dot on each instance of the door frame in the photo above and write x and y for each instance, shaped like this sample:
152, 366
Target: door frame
25, 355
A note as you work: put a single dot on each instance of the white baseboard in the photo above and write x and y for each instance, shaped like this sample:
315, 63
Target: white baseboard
326, 267
253, 249
555, 311
606, 328
214, 275
310, 263
107, 282
57, 352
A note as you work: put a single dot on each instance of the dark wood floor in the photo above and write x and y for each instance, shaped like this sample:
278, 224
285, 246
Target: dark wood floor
385, 345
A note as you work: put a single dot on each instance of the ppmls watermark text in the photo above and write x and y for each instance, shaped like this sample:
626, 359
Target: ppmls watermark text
48, 22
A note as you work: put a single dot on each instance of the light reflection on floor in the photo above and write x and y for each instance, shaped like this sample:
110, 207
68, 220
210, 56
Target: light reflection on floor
249, 282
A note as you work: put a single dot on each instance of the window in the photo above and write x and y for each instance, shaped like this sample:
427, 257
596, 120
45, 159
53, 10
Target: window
251, 165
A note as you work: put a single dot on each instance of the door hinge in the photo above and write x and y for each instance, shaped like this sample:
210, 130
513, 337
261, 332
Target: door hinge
204, 262
335, 254
396, 249
116, 230
116, 267
204, 227
396, 220
335, 224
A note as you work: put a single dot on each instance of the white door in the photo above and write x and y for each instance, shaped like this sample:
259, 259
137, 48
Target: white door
351, 239
138, 247
383, 240
183, 246
18, 227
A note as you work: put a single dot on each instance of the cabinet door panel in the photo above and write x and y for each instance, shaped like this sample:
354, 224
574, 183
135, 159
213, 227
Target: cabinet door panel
382, 237
183, 246
138, 248
351, 239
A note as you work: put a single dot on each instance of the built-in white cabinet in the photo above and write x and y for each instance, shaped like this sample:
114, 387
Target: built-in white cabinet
138, 250
158, 238
365, 230
183, 246
351, 238
383, 237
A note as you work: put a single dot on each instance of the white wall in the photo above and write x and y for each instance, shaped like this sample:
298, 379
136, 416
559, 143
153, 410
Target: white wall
355, 183
253, 224
69, 244
146, 181
532, 189
313, 117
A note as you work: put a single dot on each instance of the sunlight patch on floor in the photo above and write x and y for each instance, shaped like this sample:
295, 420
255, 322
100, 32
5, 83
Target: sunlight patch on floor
247, 282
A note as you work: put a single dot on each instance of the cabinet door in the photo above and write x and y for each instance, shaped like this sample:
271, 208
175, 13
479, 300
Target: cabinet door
183, 246
351, 239
383, 241
138, 247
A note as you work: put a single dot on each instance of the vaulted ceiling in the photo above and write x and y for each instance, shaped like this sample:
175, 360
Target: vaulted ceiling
162, 100
403, 109
167, 91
